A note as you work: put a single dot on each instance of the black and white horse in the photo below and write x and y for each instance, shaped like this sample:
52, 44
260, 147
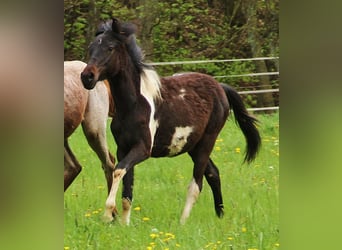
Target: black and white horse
158, 117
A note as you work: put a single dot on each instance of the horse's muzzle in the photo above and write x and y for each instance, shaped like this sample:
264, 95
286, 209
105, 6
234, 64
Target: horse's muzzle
88, 78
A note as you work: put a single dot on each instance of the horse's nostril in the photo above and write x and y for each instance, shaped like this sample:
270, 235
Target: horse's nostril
90, 77
87, 77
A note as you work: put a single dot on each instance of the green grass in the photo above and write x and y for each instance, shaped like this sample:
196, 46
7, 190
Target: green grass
250, 194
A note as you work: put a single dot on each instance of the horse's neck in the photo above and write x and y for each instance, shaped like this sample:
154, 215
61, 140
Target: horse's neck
125, 91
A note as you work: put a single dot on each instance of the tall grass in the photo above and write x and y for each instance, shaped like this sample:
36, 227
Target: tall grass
250, 194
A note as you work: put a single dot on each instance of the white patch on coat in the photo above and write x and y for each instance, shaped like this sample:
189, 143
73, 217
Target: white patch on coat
193, 193
182, 93
150, 89
179, 139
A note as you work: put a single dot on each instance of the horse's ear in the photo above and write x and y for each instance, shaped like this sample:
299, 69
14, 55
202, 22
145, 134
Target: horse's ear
116, 27
128, 29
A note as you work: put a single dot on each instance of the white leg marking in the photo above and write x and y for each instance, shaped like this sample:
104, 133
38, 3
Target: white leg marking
193, 193
179, 139
126, 211
110, 202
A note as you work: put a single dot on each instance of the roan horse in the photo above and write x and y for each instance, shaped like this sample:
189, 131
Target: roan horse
91, 109
159, 117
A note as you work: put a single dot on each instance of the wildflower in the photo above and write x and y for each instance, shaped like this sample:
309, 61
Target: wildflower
137, 208
178, 245
237, 150
153, 236
209, 244
87, 215
95, 212
149, 248
230, 238
217, 148
145, 219
170, 235
66, 248
276, 244
244, 230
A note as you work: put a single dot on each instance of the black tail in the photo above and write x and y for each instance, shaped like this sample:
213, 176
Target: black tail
246, 122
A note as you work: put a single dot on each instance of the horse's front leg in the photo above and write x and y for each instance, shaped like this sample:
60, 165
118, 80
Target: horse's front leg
127, 195
137, 154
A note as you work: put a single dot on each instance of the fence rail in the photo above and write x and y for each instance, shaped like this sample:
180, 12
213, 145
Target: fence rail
213, 61
257, 91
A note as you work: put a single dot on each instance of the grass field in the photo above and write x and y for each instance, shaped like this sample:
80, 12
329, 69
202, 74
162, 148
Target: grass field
250, 194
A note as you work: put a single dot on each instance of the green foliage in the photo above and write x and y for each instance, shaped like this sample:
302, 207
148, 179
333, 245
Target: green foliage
250, 194
181, 30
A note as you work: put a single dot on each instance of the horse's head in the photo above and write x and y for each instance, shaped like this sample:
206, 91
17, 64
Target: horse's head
105, 51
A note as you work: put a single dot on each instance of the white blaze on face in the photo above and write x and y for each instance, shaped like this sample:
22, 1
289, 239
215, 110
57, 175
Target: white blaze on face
179, 139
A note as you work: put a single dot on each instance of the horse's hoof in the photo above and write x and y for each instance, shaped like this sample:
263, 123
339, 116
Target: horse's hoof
107, 219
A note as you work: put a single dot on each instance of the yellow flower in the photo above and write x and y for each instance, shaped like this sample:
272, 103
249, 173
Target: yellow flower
153, 236
66, 248
244, 230
137, 208
237, 150
170, 235
87, 215
276, 244
230, 238
145, 219
217, 148
149, 248
178, 245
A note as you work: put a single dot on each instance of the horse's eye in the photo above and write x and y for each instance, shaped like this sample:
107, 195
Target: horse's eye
110, 48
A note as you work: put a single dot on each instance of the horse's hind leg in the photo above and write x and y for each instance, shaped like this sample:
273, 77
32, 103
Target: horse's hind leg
213, 178
200, 157
71, 166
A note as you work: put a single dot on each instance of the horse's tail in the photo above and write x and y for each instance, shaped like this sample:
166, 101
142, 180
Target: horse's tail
246, 122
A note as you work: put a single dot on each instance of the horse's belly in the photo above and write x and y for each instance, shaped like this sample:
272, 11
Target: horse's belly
173, 145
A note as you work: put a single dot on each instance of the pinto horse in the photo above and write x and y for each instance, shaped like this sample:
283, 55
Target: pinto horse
91, 109
160, 117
